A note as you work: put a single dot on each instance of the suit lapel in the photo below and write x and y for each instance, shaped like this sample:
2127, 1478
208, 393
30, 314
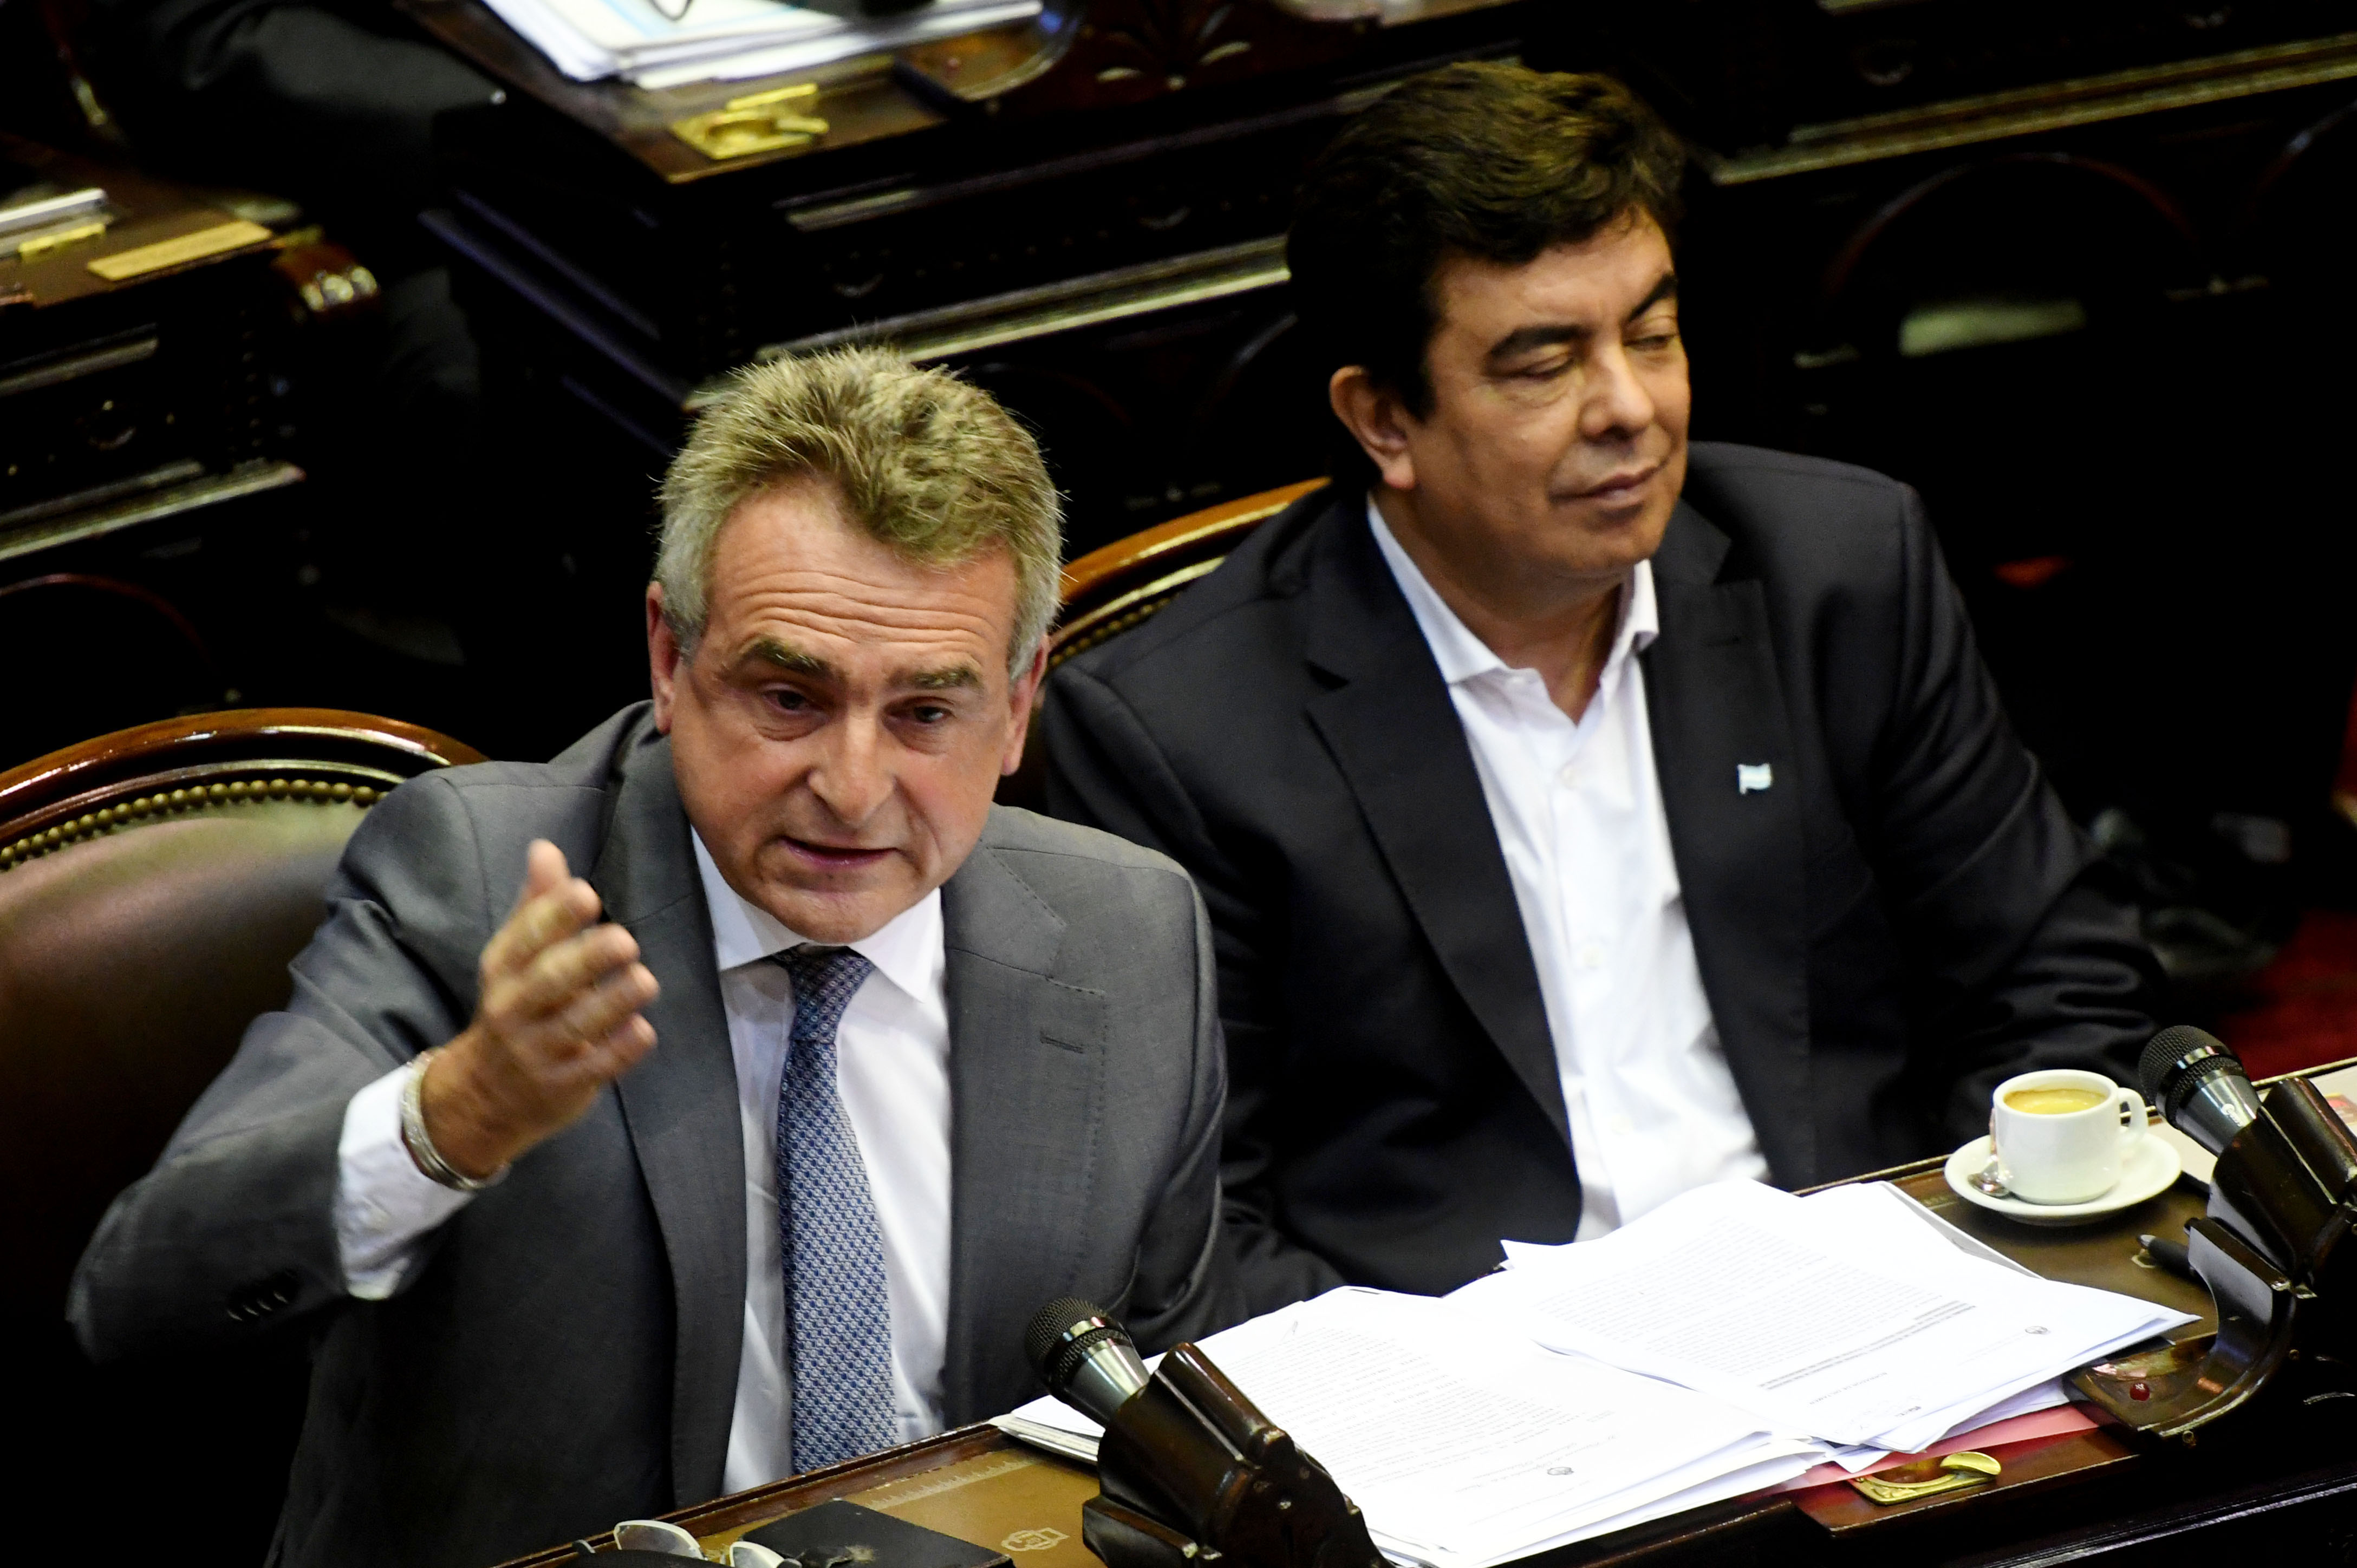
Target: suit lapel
1395, 736
680, 1105
1026, 1092
1716, 706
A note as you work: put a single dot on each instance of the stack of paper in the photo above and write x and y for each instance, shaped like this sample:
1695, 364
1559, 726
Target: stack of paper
1728, 1342
1465, 1450
1843, 1316
708, 40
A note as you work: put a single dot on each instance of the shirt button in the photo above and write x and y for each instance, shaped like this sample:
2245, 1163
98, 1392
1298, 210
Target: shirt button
1569, 777
1589, 955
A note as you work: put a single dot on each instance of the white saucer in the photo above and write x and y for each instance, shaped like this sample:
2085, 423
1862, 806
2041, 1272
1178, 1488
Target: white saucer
2150, 1167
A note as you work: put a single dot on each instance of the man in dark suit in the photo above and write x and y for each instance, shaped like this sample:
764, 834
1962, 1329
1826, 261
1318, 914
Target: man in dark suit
1583, 816
767, 1168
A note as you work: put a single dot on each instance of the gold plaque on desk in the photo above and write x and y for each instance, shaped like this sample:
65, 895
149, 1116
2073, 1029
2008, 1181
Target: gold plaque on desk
757, 123
1928, 1477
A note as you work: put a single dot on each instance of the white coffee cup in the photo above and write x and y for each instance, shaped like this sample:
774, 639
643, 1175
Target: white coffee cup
2062, 1135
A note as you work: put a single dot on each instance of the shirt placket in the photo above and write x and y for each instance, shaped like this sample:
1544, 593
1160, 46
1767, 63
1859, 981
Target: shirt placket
1593, 878
1551, 745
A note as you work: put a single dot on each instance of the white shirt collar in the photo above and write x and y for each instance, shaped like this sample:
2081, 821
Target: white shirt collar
1461, 655
907, 950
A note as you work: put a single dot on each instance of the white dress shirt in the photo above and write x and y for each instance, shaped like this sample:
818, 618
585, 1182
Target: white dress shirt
1578, 814
893, 1052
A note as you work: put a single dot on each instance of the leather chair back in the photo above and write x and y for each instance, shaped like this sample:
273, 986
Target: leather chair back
1122, 586
154, 883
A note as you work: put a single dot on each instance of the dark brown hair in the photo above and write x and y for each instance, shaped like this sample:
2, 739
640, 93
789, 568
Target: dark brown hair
1493, 161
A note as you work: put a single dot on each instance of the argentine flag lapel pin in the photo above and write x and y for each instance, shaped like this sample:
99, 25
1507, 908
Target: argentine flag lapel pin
1754, 776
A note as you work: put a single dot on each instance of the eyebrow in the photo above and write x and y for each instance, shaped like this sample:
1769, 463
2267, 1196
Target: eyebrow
1543, 335
769, 650
795, 661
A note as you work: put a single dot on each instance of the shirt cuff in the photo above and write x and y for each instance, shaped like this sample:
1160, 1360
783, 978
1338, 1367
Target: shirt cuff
385, 1205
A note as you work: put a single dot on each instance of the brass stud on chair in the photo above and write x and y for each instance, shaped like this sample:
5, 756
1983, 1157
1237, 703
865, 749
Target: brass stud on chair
341, 791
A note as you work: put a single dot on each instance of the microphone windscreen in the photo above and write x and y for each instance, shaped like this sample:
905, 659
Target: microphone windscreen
1051, 1327
2163, 1053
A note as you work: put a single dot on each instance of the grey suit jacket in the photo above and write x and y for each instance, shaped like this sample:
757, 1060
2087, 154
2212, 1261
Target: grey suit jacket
566, 1356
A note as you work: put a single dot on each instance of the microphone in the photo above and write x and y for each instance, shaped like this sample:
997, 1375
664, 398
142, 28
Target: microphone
1190, 1472
1085, 1357
2199, 1086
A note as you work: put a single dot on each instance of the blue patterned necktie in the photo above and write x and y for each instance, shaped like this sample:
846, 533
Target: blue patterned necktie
831, 1244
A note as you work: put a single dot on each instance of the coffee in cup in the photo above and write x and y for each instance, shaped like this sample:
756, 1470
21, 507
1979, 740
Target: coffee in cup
2057, 1101
2062, 1135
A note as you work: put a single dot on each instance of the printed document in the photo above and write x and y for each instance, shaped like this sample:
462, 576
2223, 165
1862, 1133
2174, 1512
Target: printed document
1748, 1294
1724, 1342
730, 39
1463, 1449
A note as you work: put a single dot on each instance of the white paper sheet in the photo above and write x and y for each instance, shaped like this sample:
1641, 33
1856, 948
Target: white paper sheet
730, 39
1464, 1449
1745, 1293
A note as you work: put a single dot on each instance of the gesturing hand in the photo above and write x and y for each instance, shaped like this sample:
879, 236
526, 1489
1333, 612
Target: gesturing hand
558, 1020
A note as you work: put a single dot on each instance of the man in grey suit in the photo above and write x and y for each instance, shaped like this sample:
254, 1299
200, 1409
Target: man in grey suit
766, 1168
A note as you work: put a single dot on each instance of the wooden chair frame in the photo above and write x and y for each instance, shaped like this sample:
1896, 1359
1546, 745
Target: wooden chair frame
210, 761
1121, 586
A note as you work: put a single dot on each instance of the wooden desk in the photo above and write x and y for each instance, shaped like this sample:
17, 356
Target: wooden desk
2103, 1496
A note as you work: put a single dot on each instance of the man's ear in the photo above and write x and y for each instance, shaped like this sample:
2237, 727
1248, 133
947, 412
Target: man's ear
1023, 698
665, 660
1377, 420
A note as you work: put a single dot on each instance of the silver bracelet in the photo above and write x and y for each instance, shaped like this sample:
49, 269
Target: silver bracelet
422, 1152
